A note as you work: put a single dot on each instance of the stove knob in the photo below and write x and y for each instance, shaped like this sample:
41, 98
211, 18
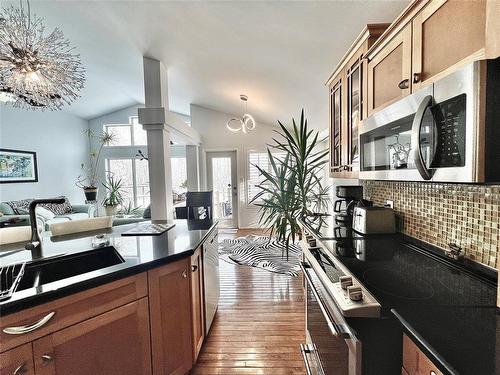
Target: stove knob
355, 293
345, 281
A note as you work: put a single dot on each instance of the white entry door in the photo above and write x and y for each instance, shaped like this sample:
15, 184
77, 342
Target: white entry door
222, 180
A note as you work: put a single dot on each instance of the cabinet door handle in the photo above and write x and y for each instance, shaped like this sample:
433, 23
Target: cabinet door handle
20, 369
184, 274
432, 373
416, 77
21, 330
46, 358
194, 267
404, 84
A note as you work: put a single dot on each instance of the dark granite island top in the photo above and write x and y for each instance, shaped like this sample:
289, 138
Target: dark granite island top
140, 253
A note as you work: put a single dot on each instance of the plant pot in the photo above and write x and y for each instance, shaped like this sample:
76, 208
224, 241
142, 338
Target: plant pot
90, 193
111, 210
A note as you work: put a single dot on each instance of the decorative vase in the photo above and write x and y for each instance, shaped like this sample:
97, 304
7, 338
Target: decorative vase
111, 210
90, 193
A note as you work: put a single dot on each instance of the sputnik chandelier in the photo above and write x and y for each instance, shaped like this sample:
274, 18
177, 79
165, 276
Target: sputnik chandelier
245, 123
36, 70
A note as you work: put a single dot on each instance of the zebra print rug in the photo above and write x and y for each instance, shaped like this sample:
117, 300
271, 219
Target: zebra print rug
261, 252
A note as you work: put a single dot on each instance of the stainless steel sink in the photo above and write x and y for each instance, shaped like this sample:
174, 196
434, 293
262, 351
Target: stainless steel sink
48, 270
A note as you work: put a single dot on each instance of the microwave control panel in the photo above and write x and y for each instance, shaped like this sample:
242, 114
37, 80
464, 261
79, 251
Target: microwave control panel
449, 137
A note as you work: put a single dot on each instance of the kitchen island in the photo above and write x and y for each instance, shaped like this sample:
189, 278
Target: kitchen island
144, 314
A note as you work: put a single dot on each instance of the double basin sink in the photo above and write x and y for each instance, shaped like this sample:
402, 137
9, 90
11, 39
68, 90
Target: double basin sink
56, 268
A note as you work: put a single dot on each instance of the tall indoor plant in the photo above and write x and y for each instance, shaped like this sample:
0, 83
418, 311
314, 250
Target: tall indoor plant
293, 188
88, 179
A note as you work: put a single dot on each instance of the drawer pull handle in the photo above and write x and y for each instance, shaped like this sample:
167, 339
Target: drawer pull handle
432, 373
194, 267
21, 330
20, 369
46, 358
184, 274
416, 77
404, 84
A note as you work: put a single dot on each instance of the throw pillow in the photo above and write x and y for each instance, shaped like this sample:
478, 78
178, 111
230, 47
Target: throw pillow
59, 209
44, 213
20, 207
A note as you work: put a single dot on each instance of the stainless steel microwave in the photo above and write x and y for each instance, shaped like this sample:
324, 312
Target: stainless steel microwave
448, 131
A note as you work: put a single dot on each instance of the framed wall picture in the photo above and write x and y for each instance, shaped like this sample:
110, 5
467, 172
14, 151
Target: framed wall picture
17, 166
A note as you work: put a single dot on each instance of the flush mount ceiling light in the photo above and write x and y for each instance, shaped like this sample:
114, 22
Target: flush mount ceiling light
245, 123
36, 70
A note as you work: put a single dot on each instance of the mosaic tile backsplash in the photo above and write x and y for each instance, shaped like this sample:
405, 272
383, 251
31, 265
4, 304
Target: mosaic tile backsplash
439, 214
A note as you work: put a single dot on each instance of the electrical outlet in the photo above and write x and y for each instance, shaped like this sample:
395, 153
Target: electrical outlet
389, 203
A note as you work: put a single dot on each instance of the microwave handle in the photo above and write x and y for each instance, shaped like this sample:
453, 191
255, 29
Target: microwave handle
425, 172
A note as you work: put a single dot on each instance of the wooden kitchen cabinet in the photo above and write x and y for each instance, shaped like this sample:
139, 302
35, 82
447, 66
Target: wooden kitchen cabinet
170, 315
337, 138
446, 32
18, 361
114, 343
347, 103
389, 71
354, 80
197, 302
52, 316
415, 362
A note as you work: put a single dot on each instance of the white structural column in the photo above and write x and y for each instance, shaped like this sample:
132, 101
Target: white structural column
152, 118
192, 167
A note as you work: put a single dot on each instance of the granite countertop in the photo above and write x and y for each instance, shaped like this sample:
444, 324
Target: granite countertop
139, 253
449, 311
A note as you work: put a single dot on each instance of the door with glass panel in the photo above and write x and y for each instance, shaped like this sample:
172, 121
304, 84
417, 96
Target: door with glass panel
222, 180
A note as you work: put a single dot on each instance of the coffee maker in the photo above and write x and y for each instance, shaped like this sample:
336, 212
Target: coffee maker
349, 196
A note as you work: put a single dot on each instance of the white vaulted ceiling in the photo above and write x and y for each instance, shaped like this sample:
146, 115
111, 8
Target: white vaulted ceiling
278, 53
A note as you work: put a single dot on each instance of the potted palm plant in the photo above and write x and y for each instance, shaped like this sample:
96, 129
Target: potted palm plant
114, 197
293, 188
88, 179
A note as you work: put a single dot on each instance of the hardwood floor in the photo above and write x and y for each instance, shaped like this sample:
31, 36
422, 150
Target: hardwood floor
259, 324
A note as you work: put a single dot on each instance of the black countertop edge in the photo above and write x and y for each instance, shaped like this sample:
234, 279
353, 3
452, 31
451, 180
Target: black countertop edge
38, 299
429, 351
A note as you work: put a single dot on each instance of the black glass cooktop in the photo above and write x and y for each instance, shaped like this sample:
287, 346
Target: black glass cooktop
398, 273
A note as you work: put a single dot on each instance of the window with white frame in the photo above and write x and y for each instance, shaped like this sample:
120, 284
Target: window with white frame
254, 177
131, 134
134, 174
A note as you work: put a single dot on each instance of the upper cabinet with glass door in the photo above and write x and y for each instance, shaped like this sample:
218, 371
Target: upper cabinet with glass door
429, 40
347, 103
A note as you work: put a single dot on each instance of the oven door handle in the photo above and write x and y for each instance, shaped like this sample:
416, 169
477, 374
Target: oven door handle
416, 127
334, 329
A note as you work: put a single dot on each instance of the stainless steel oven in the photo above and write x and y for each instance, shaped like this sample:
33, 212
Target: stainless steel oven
443, 132
332, 348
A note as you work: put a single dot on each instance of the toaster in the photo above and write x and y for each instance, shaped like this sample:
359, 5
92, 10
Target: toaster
374, 220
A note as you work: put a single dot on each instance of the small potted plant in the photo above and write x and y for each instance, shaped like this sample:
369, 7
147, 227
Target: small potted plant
88, 180
114, 197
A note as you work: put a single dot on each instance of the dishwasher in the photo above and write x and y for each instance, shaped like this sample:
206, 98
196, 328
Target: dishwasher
211, 277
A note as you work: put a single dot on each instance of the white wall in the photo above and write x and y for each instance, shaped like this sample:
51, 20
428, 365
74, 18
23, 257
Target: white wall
216, 137
61, 147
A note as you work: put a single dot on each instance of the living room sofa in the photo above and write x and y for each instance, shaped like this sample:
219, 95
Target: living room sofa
15, 214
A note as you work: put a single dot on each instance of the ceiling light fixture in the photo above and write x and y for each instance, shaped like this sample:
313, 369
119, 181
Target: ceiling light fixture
37, 70
245, 123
